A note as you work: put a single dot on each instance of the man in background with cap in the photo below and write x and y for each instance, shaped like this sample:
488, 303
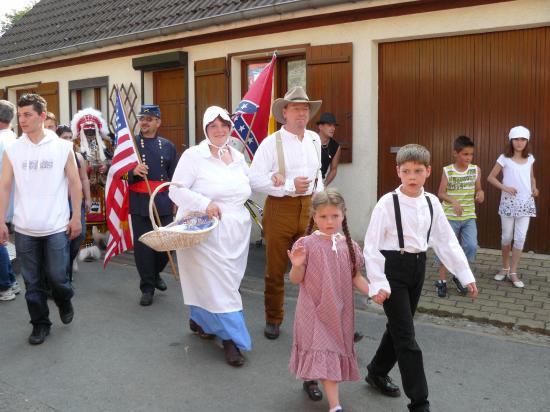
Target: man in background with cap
286, 167
330, 148
158, 162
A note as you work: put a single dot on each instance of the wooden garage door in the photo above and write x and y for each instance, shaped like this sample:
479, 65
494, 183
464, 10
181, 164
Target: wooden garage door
169, 92
432, 90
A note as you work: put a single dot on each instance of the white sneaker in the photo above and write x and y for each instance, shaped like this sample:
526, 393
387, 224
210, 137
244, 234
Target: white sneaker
7, 294
16, 288
75, 266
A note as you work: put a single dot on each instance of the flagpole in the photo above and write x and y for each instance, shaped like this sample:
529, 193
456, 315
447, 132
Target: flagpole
155, 211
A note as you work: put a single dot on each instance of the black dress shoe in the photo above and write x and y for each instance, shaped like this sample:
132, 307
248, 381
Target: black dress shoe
271, 331
384, 384
66, 312
233, 355
312, 390
160, 285
146, 299
39, 333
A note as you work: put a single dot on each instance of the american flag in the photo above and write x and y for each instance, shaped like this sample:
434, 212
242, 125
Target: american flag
116, 188
251, 118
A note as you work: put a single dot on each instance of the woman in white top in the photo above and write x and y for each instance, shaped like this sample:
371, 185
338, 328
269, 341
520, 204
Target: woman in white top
517, 203
215, 180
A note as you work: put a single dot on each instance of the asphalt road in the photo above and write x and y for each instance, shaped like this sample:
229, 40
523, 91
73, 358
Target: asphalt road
119, 356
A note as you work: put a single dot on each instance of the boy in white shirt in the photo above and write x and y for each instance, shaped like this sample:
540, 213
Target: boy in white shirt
402, 226
44, 170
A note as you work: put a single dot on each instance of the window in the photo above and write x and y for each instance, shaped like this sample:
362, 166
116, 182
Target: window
290, 71
89, 93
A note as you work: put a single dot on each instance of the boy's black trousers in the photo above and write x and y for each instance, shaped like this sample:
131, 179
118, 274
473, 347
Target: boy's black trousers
405, 274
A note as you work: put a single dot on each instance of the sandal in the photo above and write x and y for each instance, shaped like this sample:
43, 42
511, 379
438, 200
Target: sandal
312, 390
502, 274
195, 327
513, 277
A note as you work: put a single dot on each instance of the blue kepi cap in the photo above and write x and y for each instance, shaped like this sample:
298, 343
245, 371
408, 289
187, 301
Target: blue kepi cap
150, 110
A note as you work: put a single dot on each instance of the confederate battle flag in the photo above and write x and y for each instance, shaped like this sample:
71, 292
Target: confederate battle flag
251, 118
116, 188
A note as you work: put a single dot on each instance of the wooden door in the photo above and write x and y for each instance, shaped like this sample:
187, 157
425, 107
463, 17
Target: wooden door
211, 85
433, 90
169, 92
329, 78
49, 91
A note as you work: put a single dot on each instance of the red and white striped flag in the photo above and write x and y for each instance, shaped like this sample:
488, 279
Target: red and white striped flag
116, 188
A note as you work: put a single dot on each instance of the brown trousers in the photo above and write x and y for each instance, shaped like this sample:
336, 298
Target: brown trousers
285, 219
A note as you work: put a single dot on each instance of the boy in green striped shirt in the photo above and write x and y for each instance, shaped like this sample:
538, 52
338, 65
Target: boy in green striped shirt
459, 190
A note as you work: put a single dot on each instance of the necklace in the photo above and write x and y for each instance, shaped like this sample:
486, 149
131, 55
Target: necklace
324, 147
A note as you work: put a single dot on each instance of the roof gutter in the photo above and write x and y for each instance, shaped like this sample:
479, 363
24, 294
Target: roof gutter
263, 11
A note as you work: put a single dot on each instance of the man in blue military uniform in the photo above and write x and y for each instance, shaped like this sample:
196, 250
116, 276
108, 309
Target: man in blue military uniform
159, 160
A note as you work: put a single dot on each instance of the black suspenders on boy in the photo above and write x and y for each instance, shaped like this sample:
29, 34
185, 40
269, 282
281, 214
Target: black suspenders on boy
397, 211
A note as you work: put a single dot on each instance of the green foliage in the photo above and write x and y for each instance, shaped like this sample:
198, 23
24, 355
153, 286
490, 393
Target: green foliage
13, 17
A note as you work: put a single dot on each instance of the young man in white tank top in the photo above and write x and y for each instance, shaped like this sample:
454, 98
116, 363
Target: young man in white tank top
44, 170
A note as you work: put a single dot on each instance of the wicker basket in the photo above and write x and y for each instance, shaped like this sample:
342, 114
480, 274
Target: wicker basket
174, 236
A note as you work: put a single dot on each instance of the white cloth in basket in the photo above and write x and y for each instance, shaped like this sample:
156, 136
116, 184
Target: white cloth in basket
211, 273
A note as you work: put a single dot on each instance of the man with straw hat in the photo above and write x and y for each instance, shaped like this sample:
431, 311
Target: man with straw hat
158, 163
286, 167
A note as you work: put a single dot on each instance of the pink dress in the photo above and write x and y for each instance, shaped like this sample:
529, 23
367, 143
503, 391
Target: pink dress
324, 323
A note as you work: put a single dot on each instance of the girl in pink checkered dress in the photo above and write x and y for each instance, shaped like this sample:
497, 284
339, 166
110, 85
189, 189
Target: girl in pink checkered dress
326, 264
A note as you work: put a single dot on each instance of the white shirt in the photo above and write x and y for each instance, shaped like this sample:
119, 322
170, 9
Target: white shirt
7, 138
415, 218
41, 206
517, 175
302, 158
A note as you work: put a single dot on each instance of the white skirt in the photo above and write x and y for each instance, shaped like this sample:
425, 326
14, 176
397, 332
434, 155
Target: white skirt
211, 273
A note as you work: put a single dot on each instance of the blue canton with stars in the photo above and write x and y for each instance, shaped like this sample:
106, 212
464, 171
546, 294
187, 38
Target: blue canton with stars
241, 125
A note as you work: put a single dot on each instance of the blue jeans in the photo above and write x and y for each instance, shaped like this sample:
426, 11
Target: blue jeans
42, 258
74, 245
7, 276
466, 233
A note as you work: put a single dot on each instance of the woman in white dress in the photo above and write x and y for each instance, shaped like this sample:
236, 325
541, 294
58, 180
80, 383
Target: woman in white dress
215, 180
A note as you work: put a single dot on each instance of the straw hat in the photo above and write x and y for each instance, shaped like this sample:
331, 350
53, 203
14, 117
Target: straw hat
295, 95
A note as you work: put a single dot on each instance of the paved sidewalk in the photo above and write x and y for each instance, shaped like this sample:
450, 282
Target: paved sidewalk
498, 303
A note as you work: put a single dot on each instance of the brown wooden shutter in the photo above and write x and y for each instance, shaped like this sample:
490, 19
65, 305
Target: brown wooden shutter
330, 79
49, 91
211, 85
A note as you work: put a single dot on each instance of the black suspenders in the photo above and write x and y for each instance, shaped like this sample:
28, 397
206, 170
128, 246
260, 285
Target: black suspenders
397, 211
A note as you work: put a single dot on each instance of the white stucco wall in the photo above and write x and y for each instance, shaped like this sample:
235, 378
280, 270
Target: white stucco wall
360, 193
